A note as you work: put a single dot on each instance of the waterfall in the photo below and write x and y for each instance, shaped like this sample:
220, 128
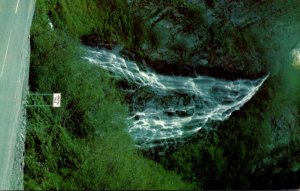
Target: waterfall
164, 108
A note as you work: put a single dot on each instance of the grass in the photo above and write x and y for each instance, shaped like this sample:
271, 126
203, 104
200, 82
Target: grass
83, 144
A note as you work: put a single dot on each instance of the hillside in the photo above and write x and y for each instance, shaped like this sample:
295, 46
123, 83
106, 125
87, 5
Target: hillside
85, 144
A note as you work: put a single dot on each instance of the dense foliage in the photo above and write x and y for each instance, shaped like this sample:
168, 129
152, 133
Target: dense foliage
83, 144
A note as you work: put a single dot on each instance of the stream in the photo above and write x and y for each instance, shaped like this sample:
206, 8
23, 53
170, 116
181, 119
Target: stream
172, 108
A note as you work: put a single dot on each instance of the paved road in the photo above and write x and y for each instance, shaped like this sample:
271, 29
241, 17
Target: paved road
15, 21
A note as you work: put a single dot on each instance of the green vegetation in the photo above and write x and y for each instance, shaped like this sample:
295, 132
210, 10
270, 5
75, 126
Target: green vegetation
83, 144
109, 19
112, 21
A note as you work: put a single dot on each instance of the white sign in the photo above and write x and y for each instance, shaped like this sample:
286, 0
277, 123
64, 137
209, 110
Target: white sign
56, 100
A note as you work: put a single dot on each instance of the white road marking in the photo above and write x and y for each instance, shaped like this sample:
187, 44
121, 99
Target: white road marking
17, 91
5, 54
17, 6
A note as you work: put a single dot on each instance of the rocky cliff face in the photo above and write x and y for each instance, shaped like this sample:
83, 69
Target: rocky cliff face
221, 38
206, 37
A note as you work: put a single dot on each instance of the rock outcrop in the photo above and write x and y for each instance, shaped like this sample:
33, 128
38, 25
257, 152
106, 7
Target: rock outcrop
204, 35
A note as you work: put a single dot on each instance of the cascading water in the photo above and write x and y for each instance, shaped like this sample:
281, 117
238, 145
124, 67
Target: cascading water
164, 108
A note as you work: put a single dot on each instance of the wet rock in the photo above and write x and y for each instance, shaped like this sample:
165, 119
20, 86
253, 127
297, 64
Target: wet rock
206, 46
92, 40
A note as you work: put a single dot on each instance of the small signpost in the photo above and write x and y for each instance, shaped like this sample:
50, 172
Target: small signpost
56, 101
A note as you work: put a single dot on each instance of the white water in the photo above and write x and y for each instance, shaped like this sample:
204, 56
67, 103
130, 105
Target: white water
165, 108
50, 24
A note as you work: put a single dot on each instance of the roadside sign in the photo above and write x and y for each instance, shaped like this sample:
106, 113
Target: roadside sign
56, 100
